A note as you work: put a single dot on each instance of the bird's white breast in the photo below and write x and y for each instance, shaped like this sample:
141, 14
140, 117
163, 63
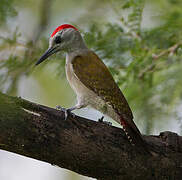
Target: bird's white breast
82, 92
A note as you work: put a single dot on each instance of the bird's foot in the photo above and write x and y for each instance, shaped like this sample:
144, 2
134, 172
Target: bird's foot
105, 122
67, 112
101, 119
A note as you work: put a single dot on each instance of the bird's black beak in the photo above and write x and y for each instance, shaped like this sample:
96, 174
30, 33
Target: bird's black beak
48, 53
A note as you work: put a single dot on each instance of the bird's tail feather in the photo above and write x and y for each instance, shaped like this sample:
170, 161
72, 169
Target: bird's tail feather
134, 136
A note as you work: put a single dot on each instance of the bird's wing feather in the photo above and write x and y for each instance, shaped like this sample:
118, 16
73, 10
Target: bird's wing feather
94, 74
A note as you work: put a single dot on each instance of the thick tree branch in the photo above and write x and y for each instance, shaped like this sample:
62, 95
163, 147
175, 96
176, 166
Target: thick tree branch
84, 146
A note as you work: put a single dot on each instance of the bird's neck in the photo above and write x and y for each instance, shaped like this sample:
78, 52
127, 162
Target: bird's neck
78, 46
76, 49
76, 43
76, 52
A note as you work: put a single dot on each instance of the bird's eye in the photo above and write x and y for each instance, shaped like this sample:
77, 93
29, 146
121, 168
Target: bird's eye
57, 39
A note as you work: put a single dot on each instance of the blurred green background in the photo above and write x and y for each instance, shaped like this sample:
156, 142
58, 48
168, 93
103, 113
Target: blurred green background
139, 40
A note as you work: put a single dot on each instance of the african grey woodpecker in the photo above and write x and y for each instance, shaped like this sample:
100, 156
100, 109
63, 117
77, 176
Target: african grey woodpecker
91, 80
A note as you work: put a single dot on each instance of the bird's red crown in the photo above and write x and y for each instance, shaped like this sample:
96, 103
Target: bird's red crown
63, 26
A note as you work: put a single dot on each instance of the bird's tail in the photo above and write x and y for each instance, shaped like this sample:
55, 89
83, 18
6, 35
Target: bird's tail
134, 136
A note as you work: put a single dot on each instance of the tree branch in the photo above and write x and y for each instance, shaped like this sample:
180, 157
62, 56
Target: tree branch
84, 146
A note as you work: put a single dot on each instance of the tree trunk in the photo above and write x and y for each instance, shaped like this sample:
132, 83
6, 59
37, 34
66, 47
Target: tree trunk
87, 147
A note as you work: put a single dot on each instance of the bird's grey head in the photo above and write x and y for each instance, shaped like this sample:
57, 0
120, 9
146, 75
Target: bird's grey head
64, 38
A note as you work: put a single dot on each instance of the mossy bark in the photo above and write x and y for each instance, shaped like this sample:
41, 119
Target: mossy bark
84, 146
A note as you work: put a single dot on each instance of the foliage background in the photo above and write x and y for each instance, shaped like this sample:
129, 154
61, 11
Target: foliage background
139, 40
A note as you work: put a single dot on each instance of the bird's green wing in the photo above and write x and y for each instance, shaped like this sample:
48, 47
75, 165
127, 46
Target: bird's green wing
94, 74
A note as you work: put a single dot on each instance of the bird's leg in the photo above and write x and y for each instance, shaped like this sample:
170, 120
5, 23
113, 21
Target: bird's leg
101, 120
104, 110
68, 111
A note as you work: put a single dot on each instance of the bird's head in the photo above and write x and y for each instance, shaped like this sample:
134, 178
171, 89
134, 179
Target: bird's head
64, 38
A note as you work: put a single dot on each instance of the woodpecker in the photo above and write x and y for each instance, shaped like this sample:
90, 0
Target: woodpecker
91, 80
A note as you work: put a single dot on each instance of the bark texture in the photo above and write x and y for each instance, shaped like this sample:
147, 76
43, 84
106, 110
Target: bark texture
84, 146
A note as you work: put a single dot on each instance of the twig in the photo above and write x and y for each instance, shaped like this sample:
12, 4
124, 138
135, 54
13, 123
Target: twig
147, 69
171, 50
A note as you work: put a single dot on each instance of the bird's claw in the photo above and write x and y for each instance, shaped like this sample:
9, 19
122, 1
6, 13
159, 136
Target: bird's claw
105, 122
101, 119
67, 112
58, 107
